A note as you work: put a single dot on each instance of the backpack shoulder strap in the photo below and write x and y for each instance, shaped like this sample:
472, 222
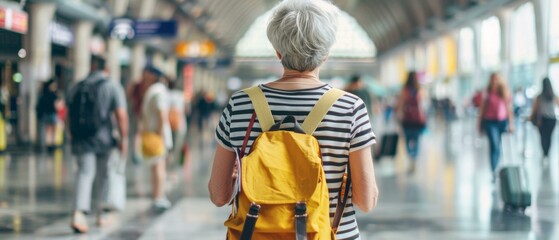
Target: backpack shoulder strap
320, 110
261, 107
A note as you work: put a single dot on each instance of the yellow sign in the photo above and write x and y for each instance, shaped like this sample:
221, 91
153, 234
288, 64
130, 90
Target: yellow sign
186, 49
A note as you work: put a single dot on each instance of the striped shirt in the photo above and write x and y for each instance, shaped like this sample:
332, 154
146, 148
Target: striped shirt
346, 128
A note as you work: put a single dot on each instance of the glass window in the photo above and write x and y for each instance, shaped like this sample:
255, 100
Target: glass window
467, 50
351, 40
554, 27
523, 38
490, 43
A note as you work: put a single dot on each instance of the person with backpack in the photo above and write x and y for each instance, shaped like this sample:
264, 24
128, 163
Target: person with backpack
293, 155
91, 104
412, 117
496, 117
543, 115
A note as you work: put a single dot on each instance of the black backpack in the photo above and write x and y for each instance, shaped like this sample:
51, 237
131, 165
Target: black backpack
85, 114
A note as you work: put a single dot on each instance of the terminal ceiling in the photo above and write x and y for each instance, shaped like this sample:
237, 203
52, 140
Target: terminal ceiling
387, 22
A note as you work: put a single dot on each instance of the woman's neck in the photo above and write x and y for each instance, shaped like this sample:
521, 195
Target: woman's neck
295, 80
293, 75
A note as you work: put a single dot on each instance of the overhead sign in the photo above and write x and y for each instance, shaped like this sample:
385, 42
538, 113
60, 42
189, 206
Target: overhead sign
14, 20
61, 34
186, 49
124, 28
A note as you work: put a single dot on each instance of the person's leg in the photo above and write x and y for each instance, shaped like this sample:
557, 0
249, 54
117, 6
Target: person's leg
546, 131
494, 137
82, 193
106, 167
50, 130
158, 173
411, 147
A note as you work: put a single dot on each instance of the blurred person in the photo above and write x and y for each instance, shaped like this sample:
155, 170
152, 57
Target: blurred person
496, 117
177, 119
91, 105
136, 91
449, 109
358, 88
519, 101
412, 116
47, 113
302, 32
156, 133
205, 106
543, 115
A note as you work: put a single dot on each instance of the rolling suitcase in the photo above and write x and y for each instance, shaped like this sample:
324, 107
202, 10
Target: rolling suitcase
515, 190
388, 145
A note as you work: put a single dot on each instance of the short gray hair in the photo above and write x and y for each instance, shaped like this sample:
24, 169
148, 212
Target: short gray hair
303, 31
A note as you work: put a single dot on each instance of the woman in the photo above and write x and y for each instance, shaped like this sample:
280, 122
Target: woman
412, 117
155, 121
302, 33
496, 117
543, 115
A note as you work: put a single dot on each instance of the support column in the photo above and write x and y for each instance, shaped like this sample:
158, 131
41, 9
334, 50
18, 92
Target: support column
144, 9
477, 76
542, 39
36, 68
113, 58
114, 45
506, 32
82, 50
138, 61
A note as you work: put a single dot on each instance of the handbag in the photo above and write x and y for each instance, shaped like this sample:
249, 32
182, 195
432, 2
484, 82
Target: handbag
116, 183
536, 116
152, 145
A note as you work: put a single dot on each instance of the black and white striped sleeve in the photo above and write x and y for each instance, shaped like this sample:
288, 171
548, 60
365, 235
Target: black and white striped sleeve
362, 135
223, 129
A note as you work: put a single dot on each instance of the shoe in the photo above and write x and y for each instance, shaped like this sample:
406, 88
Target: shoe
79, 222
105, 219
161, 204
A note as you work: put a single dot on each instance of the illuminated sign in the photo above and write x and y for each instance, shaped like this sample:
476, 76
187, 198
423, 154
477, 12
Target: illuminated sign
124, 28
61, 34
13, 20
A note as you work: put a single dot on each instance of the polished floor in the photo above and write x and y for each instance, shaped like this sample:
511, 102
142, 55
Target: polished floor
451, 196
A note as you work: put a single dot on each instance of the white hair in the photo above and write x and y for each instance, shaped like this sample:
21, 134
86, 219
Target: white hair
303, 31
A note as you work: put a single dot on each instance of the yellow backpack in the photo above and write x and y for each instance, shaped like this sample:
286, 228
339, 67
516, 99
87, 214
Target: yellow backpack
282, 191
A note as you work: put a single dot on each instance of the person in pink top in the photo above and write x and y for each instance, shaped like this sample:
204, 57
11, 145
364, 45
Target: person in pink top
496, 116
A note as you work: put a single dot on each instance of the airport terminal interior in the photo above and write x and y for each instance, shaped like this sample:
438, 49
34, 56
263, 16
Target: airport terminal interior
446, 185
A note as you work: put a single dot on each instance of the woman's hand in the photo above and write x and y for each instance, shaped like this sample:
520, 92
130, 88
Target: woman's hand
511, 128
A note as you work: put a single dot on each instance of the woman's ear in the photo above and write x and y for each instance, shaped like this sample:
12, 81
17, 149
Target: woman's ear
279, 55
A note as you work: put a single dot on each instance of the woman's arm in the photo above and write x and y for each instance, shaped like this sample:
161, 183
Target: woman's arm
221, 180
535, 107
364, 186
